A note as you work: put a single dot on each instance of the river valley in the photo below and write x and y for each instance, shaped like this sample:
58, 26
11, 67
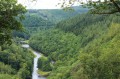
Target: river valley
35, 75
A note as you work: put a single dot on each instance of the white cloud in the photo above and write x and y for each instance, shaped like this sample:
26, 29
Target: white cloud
40, 4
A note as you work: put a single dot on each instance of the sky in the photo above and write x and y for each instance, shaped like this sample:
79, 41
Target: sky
40, 4
46, 4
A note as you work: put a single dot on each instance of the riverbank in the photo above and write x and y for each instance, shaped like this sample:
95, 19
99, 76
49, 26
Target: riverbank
43, 73
35, 74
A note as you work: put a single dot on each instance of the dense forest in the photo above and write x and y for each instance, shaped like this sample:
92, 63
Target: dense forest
83, 47
56, 15
71, 44
41, 19
15, 62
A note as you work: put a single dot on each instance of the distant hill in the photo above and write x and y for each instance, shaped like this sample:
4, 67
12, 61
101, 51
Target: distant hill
35, 20
39, 19
56, 15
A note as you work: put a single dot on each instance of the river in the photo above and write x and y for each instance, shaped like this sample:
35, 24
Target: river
35, 75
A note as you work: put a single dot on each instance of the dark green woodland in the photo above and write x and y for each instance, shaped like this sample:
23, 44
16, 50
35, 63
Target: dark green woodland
81, 43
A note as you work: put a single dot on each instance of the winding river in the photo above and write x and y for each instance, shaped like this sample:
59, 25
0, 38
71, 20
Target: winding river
35, 75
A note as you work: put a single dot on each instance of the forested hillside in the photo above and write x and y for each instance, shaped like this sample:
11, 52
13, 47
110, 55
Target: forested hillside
59, 44
56, 15
83, 47
15, 62
33, 20
33, 23
42, 19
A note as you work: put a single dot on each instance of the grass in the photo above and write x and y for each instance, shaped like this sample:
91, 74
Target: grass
43, 73
27, 41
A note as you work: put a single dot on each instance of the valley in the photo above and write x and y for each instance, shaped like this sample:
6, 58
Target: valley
59, 44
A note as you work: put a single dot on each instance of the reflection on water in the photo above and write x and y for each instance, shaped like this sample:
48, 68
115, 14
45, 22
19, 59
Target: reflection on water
35, 75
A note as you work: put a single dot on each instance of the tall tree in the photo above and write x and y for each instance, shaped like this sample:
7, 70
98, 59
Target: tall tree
10, 14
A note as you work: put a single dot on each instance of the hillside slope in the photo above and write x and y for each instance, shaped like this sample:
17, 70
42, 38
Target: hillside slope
15, 62
84, 47
42, 19
56, 15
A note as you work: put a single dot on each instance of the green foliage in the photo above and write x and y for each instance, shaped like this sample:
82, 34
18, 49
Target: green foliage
16, 61
101, 58
36, 20
9, 9
44, 64
52, 42
56, 15
24, 35
84, 47
7, 76
43, 73
6, 69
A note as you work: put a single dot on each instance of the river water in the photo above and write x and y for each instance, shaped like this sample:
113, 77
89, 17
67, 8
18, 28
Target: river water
35, 75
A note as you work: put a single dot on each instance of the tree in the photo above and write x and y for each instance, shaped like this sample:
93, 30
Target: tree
10, 14
97, 6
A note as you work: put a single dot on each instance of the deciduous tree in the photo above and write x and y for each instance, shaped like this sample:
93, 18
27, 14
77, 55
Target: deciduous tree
10, 14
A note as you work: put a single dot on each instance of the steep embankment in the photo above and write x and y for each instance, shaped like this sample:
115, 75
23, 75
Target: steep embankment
84, 47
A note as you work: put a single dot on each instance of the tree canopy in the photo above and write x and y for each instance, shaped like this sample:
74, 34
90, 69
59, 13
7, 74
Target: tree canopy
83, 47
10, 14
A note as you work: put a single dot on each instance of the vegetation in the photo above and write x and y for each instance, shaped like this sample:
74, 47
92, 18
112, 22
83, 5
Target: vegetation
44, 64
43, 73
6, 76
9, 9
83, 47
15, 62
34, 20
56, 15
33, 23
37, 20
